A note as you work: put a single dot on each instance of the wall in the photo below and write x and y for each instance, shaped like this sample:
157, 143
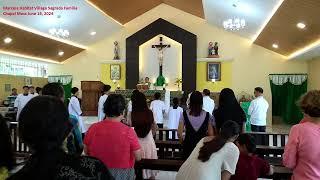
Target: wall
172, 61
314, 74
250, 67
105, 75
226, 77
17, 82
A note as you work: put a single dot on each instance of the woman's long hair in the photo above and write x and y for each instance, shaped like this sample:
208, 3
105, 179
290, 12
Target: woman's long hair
228, 130
229, 109
141, 115
196, 102
6, 150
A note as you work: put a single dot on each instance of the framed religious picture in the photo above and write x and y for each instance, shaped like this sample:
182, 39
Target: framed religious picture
7, 87
115, 72
214, 71
27, 81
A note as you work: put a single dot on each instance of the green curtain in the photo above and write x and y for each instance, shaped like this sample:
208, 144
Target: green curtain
66, 82
284, 99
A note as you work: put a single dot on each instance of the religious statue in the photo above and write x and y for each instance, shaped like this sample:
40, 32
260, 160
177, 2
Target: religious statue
116, 51
160, 47
213, 50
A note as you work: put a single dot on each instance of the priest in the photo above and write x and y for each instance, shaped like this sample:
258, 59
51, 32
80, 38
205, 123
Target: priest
22, 100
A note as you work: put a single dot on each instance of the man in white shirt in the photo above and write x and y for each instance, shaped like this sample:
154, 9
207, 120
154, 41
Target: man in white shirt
258, 111
22, 100
102, 100
208, 103
158, 108
32, 91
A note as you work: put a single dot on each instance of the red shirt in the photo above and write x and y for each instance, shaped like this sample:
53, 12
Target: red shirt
250, 168
113, 143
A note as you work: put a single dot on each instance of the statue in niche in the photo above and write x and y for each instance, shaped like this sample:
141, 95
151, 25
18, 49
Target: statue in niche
116, 51
213, 50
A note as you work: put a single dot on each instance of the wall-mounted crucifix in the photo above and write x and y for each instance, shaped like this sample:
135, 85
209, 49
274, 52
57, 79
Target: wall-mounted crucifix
160, 47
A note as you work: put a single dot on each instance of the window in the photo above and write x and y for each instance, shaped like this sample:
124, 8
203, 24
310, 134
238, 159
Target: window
22, 67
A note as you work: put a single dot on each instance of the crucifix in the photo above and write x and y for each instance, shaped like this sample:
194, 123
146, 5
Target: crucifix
160, 47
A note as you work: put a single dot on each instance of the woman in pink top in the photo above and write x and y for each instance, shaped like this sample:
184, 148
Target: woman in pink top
302, 151
114, 143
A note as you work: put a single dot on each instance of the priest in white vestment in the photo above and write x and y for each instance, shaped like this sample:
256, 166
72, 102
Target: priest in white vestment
22, 100
75, 109
102, 100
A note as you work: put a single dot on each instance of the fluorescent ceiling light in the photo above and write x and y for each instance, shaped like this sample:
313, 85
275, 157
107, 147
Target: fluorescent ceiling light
301, 25
42, 34
275, 46
29, 57
7, 40
273, 11
96, 7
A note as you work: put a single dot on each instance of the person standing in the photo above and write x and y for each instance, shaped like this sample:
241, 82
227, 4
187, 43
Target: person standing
102, 100
175, 112
14, 92
22, 100
196, 122
208, 103
158, 108
302, 151
258, 111
75, 109
32, 91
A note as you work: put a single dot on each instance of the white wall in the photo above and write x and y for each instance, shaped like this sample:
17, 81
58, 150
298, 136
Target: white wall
172, 62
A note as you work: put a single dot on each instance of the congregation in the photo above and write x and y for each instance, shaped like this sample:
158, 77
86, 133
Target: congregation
215, 145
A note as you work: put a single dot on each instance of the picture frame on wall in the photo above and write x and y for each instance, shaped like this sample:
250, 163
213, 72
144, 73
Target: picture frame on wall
7, 87
27, 81
214, 71
115, 71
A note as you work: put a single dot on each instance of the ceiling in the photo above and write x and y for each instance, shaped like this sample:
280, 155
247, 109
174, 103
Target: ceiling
30, 44
124, 11
255, 12
282, 29
266, 23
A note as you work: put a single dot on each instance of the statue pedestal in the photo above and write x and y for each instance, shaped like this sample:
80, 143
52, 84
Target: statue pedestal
213, 56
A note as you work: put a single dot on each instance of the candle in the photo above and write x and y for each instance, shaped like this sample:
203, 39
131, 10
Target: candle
213, 80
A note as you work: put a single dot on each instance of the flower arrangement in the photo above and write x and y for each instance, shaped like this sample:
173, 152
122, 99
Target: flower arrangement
178, 82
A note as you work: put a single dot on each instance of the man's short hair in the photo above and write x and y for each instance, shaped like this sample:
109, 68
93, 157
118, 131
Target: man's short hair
206, 92
259, 89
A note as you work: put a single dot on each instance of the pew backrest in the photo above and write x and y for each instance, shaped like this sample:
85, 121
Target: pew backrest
18, 145
270, 139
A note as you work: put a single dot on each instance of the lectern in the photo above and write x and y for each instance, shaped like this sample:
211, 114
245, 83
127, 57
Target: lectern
91, 92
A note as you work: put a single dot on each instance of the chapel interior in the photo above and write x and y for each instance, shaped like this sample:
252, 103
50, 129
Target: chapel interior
178, 45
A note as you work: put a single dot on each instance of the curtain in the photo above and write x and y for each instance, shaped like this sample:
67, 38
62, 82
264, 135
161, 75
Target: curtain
286, 90
66, 82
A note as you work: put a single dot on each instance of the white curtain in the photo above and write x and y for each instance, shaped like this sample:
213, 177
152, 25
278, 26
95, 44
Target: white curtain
295, 79
22, 67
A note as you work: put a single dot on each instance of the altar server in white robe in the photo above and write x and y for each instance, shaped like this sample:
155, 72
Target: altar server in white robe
175, 112
22, 100
32, 91
102, 100
208, 103
75, 109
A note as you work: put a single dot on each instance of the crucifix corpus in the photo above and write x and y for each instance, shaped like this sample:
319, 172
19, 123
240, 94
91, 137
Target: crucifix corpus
160, 47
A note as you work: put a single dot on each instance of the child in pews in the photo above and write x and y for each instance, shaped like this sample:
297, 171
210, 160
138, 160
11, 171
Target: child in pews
250, 166
175, 112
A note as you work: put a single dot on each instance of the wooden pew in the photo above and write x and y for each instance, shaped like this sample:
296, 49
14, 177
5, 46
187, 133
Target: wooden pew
174, 165
163, 134
173, 150
270, 139
20, 149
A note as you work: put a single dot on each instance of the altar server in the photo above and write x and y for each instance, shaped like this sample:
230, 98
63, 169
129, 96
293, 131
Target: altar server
32, 91
208, 103
258, 111
75, 109
175, 112
22, 100
102, 100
